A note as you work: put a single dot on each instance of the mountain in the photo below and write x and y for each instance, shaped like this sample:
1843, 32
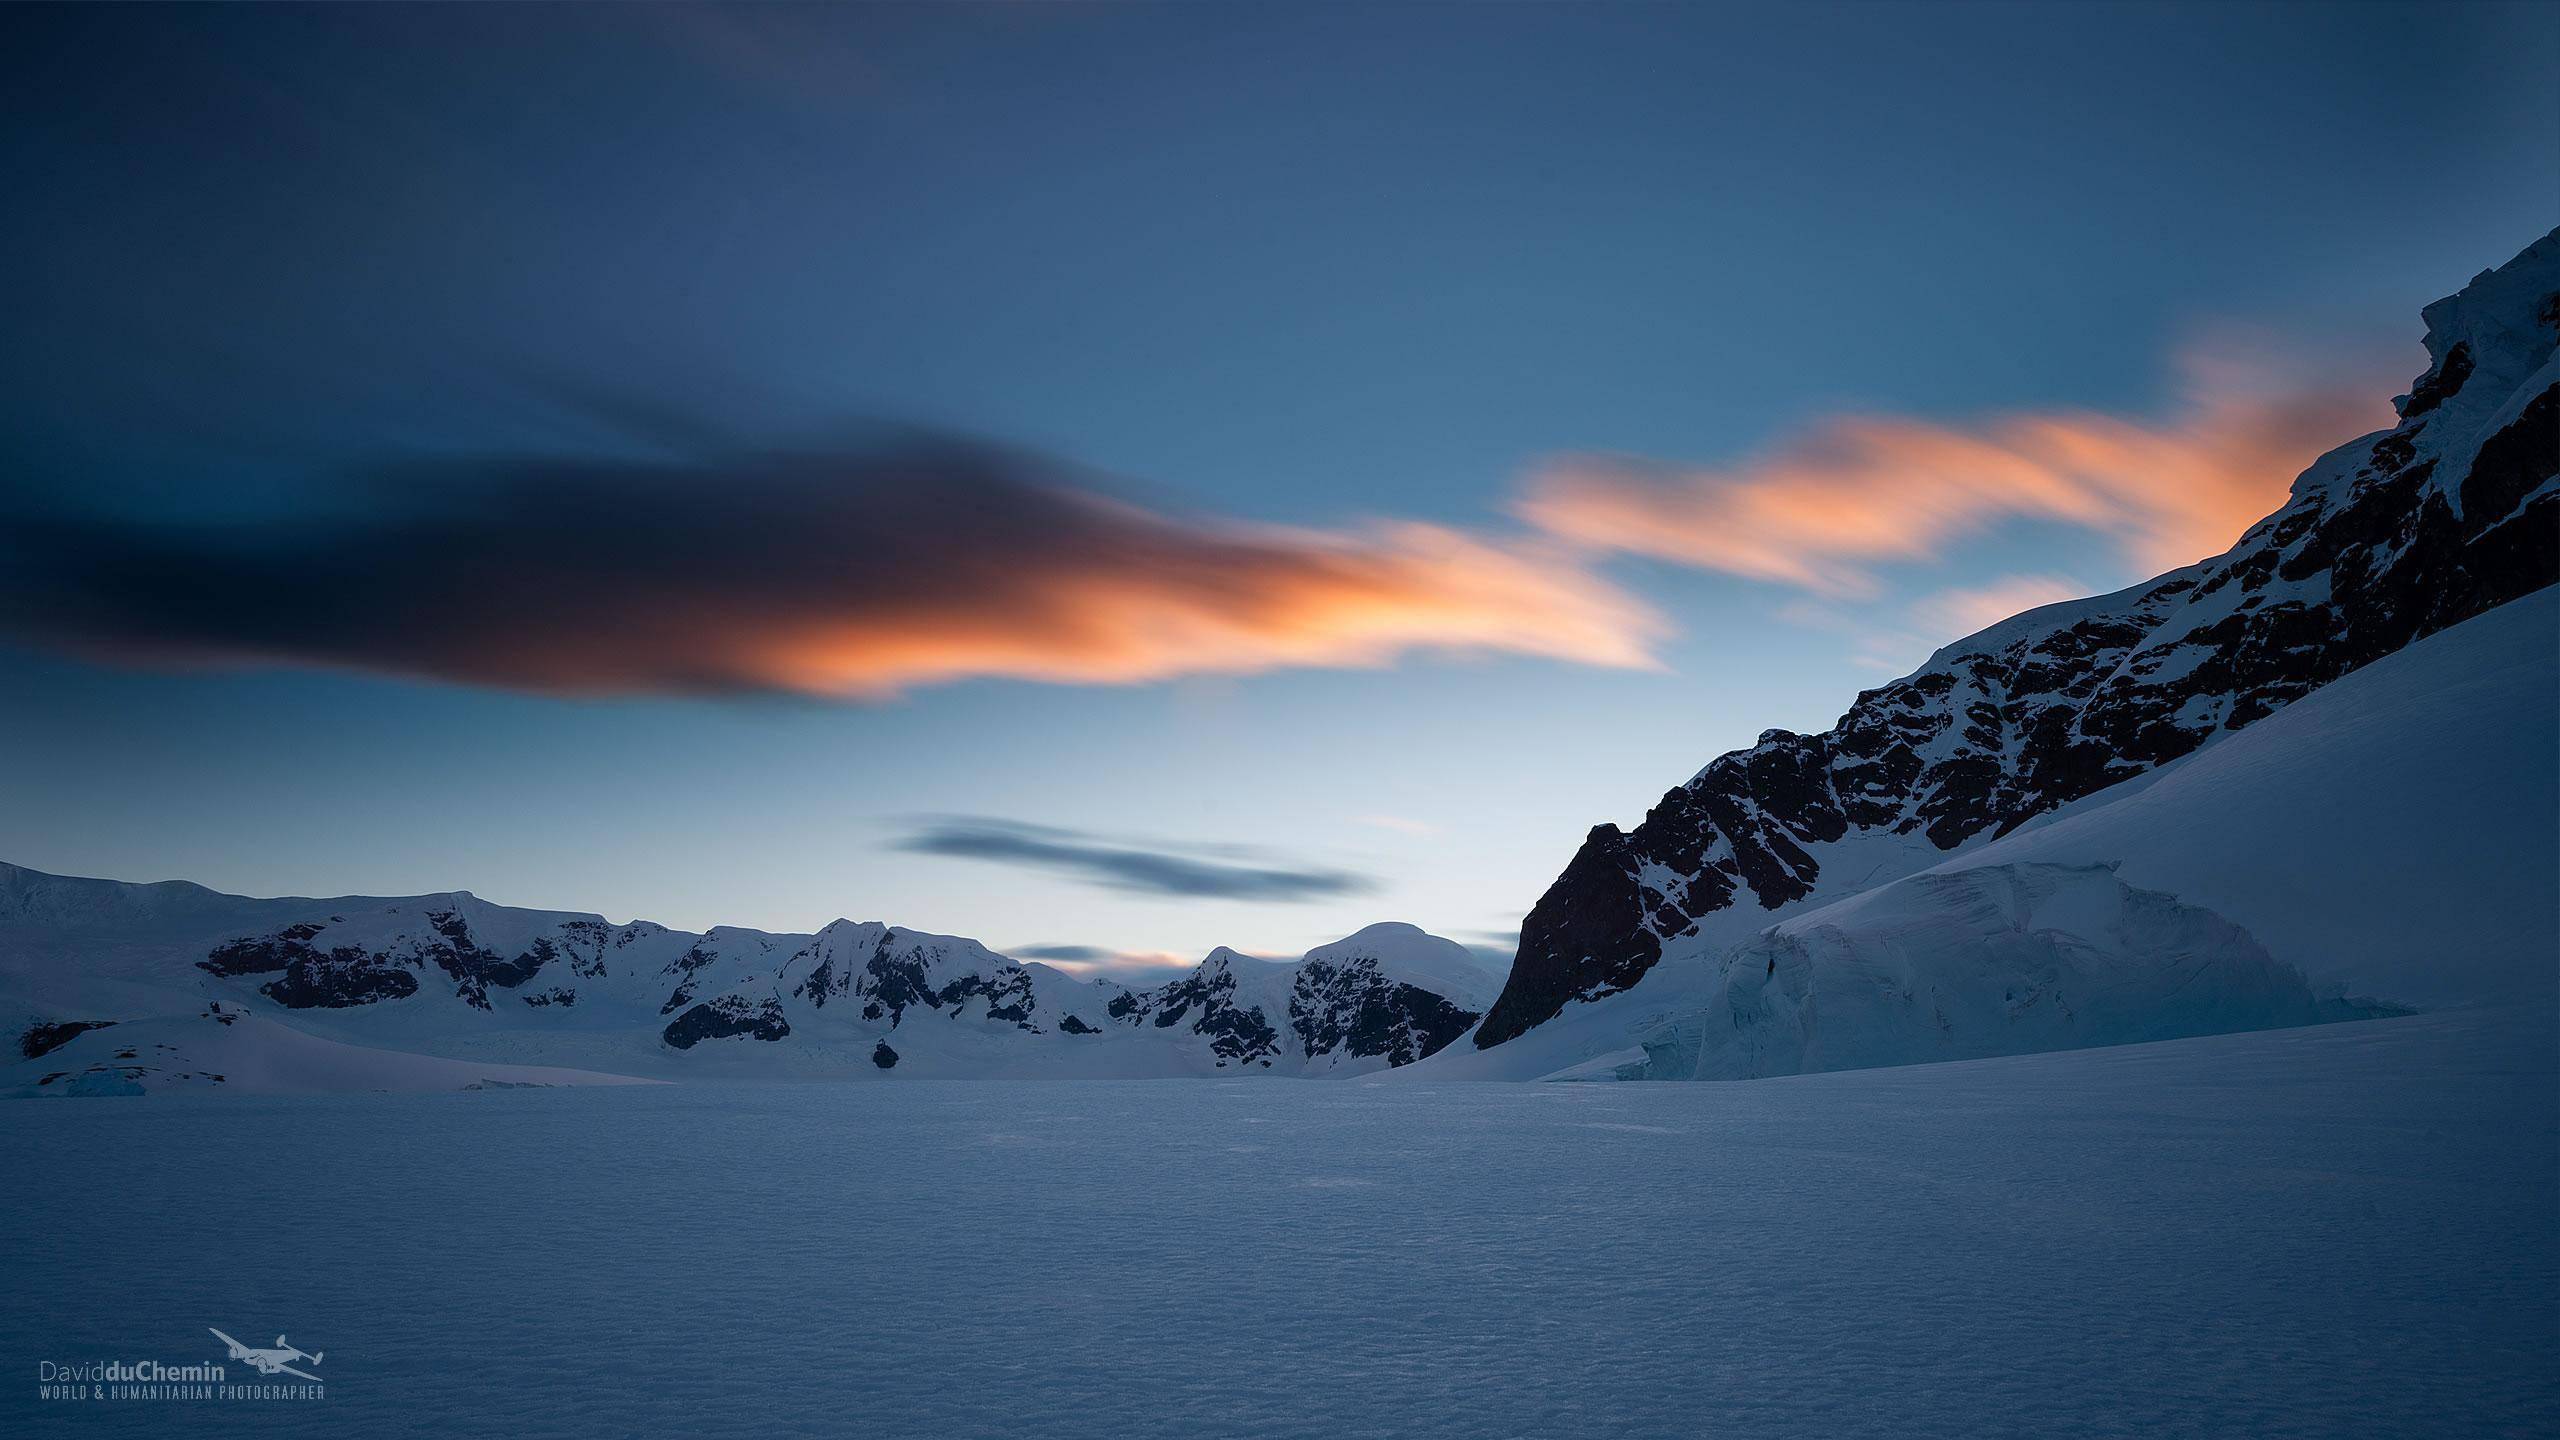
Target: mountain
114, 987
2383, 542
2395, 834
1387, 996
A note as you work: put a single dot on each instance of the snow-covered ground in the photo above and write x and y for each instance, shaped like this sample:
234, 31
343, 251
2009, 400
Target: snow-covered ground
2335, 1230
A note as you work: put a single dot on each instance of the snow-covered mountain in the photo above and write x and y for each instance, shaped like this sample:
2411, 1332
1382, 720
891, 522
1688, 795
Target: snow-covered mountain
1387, 996
2390, 539
115, 986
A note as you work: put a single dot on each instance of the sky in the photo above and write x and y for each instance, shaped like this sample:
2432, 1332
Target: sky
1116, 481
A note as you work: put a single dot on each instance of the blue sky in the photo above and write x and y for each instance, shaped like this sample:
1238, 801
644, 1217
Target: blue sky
1333, 269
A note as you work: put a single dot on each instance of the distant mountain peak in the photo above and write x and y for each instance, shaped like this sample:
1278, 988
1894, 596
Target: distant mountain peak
450, 976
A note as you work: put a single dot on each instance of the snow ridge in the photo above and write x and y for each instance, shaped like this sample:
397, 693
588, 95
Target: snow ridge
208, 983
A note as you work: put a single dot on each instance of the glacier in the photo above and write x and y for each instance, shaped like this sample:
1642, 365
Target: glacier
2338, 1230
1961, 964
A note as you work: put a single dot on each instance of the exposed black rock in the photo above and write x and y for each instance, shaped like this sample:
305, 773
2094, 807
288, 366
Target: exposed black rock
261, 955
729, 1015
345, 976
1235, 1032
694, 958
341, 979
473, 968
44, 1039
2439, 384
820, 984
584, 943
1350, 1008
897, 976
1074, 1025
894, 982
1578, 943
883, 1056
348, 975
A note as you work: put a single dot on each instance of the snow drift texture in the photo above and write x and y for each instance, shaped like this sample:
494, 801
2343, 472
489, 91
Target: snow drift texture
2342, 1230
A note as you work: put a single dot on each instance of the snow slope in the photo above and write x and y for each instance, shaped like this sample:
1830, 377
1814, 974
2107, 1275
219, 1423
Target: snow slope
2396, 834
1958, 965
222, 1050
1409, 955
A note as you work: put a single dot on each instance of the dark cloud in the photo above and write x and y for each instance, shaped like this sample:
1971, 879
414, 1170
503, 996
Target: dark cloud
1120, 865
862, 570
1077, 953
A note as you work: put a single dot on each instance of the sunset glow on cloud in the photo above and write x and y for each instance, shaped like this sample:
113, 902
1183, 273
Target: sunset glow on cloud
1190, 602
866, 574
1822, 511
837, 576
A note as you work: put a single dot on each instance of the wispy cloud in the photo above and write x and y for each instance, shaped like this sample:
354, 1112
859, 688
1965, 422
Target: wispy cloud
1123, 865
1822, 511
860, 573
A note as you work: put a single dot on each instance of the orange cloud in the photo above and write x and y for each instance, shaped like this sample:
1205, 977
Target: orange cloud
1821, 512
852, 575
1225, 601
